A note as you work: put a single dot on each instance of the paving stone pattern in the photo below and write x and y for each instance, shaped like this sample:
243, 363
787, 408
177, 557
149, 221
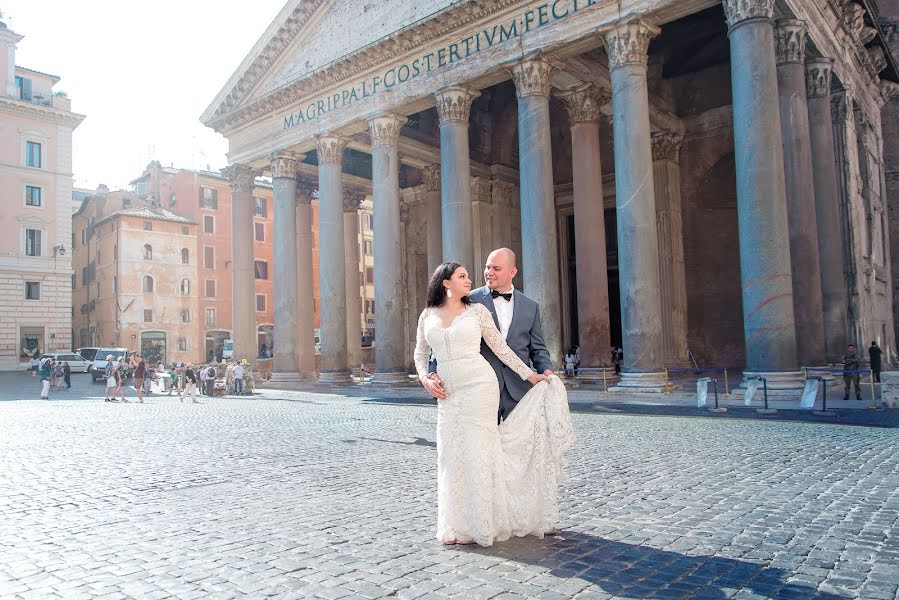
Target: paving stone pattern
332, 496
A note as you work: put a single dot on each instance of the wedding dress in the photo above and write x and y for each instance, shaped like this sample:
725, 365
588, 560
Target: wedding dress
493, 482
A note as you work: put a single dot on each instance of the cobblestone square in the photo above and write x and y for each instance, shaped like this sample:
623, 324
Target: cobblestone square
291, 495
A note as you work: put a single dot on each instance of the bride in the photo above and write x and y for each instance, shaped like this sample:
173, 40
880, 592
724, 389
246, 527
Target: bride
493, 482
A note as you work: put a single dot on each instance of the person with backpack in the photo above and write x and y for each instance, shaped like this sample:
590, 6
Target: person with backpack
58, 375
109, 376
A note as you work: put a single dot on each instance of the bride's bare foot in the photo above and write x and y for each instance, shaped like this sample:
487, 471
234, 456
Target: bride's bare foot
450, 542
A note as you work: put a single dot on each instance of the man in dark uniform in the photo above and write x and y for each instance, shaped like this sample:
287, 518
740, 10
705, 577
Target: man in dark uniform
874, 353
851, 363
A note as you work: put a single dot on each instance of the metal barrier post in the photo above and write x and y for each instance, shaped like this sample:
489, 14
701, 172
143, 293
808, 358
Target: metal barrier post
767, 410
605, 381
765, 384
717, 409
726, 387
873, 392
823, 412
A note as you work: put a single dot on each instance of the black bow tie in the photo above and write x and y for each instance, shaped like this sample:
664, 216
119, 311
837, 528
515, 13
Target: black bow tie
497, 294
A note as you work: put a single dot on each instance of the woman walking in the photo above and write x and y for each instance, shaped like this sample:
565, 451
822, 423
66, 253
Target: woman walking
46, 370
121, 379
58, 374
190, 383
35, 363
140, 371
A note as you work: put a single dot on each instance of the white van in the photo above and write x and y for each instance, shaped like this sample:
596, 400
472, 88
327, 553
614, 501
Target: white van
228, 350
99, 364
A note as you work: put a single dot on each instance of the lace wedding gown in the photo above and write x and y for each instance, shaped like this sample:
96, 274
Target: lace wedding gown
493, 482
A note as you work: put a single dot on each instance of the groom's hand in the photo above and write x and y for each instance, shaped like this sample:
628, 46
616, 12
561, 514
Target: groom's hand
548, 372
434, 386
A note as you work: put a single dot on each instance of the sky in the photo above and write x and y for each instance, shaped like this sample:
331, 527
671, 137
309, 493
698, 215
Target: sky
142, 73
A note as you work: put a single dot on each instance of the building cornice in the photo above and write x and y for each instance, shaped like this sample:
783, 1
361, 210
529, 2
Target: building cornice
14, 106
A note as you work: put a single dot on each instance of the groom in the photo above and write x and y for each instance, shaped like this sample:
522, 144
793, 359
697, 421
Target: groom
518, 319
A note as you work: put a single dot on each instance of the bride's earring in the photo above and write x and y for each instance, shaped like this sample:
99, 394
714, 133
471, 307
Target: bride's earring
449, 293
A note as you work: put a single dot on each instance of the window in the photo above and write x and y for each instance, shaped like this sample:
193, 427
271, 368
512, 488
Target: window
148, 225
33, 155
126, 202
148, 315
210, 316
260, 232
209, 198
261, 269
32, 242
172, 200
31, 340
148, 252
141, 188
369, 275
32, 290
185, 316
209, 257
74, 282
24, 86
210, 288
260, 302
368, 247
259, 206
185, 287
368, 221
208, 224
182, 344
185, 256
32, 195
185, 231
148, 284
370, 307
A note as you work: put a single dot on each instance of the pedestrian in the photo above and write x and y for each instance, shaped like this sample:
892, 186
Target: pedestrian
190, 383
67, 374
121, 378
46, 373
210, 380
850, 373
170, 380
238, 379
569, 364
874, 354
201, 374
35, 362
109, 375
140, 372
58, 375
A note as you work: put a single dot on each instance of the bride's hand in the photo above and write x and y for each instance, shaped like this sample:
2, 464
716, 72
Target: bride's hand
536, 378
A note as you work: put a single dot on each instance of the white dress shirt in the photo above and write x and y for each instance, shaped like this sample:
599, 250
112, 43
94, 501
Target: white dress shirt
504, 310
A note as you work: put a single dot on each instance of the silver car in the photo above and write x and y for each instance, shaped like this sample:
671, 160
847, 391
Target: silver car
77, 363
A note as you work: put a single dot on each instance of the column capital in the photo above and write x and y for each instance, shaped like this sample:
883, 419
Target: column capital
241, 178
584, 102
330, 149
430, 176
284, 164
791, 36
627, 42
305, 191
533, 75
385, 129
502, 192
352, 200
817, 76
666, 145
481, 190
454, 104
737, 11
842, 105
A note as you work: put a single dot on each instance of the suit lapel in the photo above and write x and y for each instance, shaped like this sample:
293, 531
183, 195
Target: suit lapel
488, 302
517, 309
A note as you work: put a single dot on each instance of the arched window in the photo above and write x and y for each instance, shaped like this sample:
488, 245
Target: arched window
185, 256
185, 287
148, 252
148, 284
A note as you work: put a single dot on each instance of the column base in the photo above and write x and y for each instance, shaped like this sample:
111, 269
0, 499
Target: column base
643, 383
286, 377
780, 383
390, 377
592, 376
335, 377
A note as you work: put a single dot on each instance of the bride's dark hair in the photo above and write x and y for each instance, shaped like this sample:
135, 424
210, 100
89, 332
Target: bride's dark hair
436, 291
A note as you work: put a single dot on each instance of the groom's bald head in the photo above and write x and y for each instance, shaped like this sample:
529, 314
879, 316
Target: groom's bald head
500, 269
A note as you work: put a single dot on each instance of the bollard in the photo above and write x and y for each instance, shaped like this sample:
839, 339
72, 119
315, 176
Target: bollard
717, 409
726, 387
824, 412
873, 392
766, 410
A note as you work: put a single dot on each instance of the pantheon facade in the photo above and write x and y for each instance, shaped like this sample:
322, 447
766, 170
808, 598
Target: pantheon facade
689, 179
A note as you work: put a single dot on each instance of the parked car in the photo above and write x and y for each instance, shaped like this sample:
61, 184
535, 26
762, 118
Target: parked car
228, 350
88, 353
77, 363
98, 367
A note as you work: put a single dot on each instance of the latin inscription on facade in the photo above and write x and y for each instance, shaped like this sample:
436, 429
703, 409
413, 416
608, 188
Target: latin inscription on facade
540, 16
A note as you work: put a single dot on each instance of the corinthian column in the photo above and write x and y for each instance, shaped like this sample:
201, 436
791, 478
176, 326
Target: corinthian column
627, 44
791, 35
390, 364
594, 338
539, 250
453, 108
352, 202
431, 176
286, 362
672, 276
827, 208
305, 281
768, 320
331, 267
243, 272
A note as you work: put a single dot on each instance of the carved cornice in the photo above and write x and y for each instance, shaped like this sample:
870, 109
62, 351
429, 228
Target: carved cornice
14, 106
430, 176
791, 36
737, 11
888, 91
350, 66
284, 164
241, 178
666, 145
385, 129
352, 199
533, 75
866, 35
854, 18
584, 103
330, 149
817, 77
876, 61
627, 42
454, 104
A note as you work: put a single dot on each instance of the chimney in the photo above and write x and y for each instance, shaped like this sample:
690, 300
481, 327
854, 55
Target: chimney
102, 189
